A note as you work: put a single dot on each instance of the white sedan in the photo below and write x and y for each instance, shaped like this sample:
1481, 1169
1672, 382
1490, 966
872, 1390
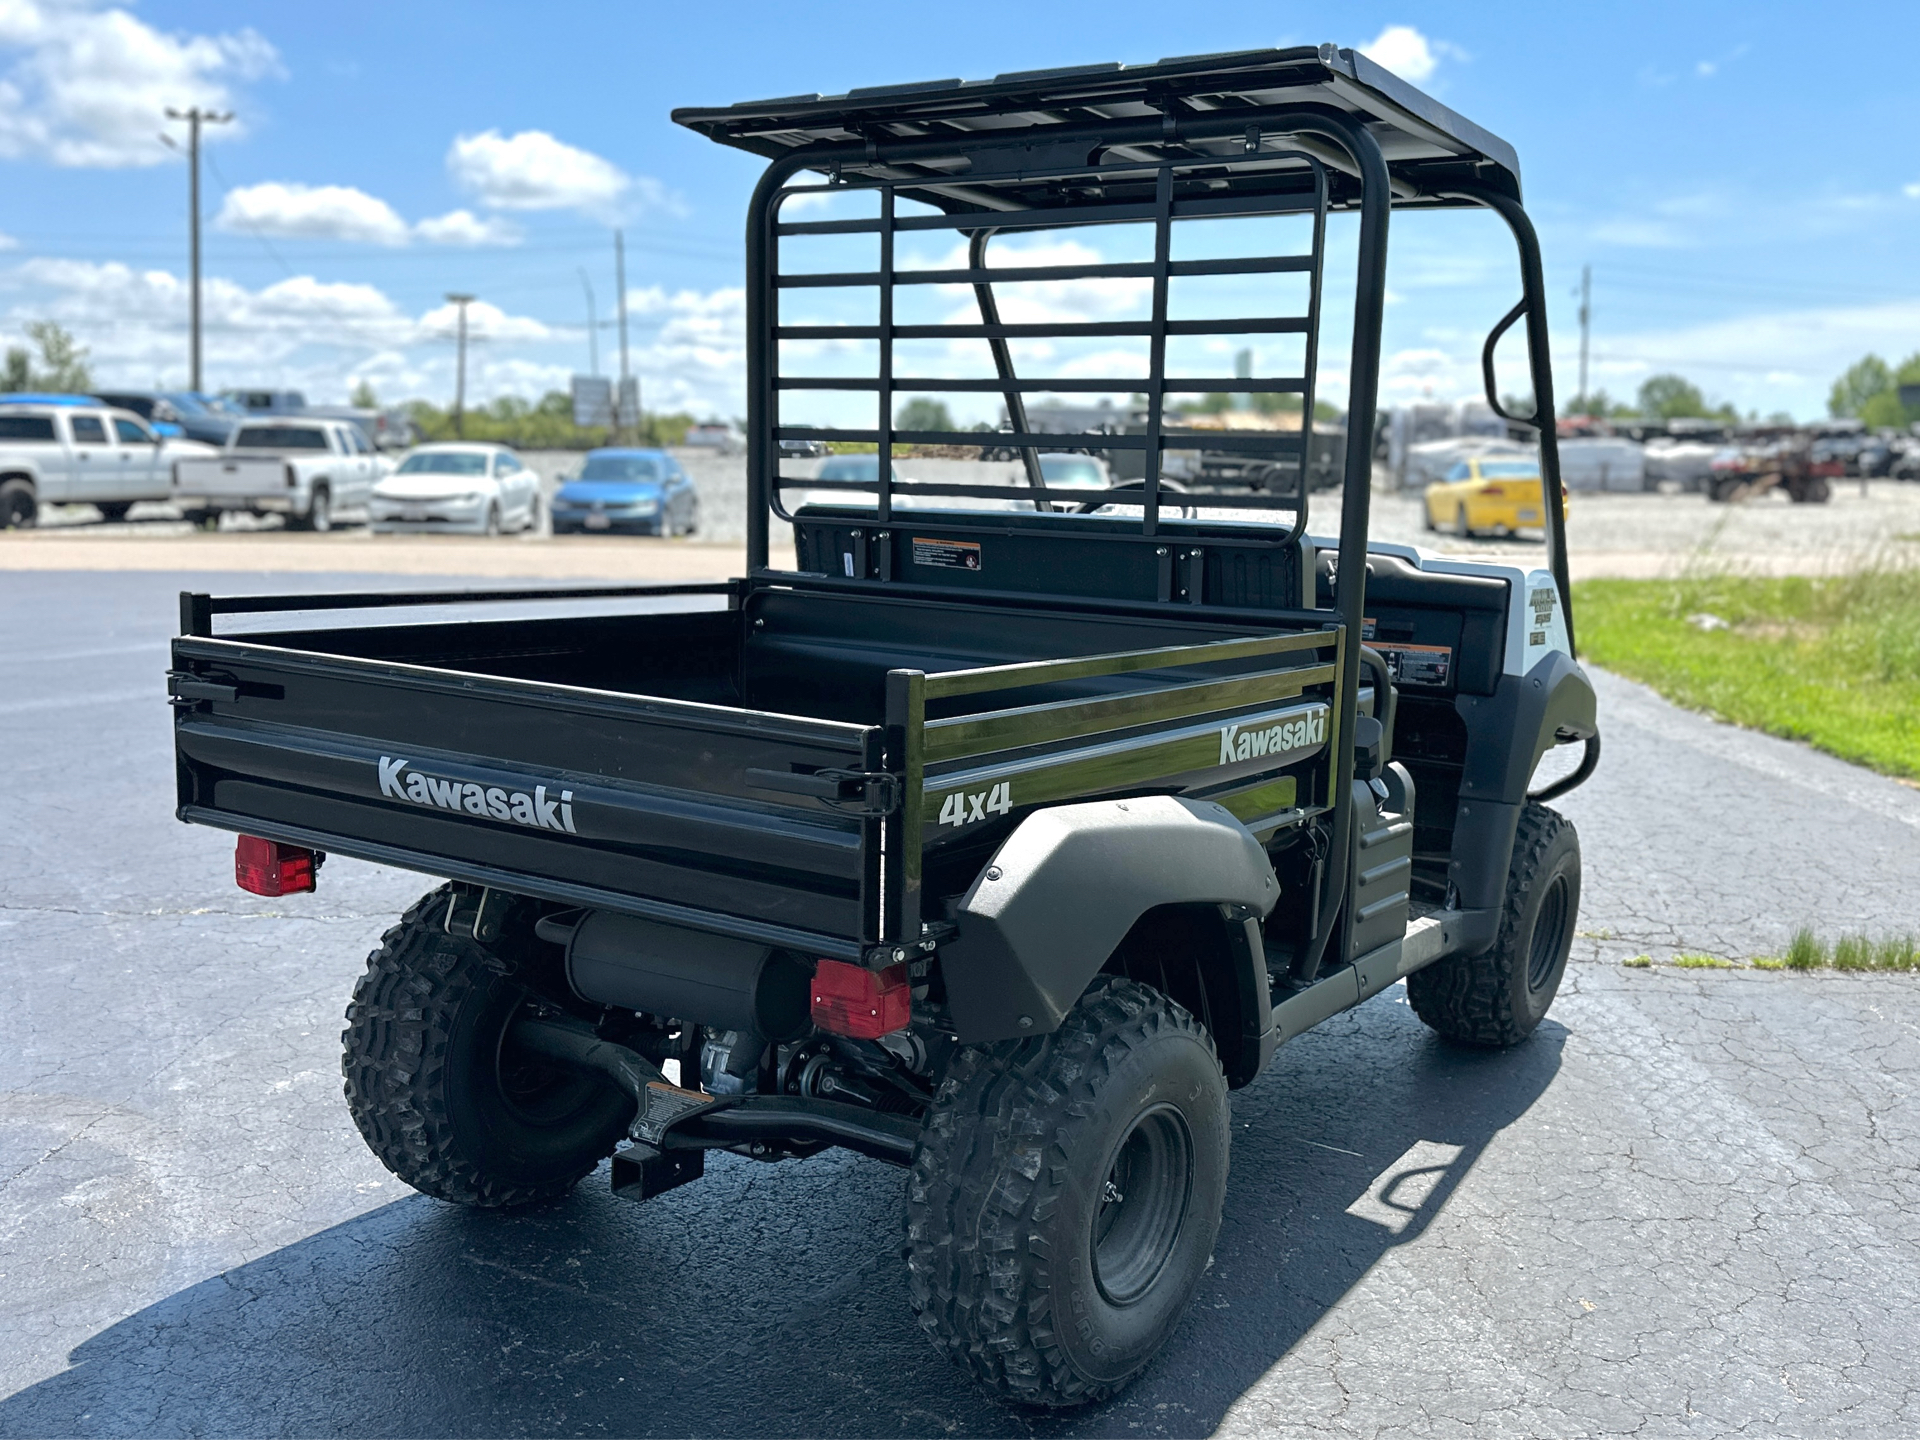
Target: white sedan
457, 488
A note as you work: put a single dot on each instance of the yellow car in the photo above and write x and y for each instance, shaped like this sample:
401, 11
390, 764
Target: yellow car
1494, 494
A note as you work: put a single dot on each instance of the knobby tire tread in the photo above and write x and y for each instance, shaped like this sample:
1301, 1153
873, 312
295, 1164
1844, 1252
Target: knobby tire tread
1467, 997
395, 1052
983, 1297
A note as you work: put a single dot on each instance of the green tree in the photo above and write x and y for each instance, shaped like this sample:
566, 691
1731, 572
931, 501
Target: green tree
546, 424
363, 396
1600, 405
63, 362
921, 413
1672, 397
1865, 379
1870, 390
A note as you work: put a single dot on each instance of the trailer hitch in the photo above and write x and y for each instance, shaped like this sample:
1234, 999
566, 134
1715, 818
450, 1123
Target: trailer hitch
668, 1117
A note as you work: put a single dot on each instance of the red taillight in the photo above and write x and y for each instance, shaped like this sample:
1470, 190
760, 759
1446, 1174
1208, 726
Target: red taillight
266, 867
861, 1003
1492, 491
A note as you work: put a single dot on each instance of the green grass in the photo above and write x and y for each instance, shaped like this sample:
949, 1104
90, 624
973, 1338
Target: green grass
1834, 662
1806, 951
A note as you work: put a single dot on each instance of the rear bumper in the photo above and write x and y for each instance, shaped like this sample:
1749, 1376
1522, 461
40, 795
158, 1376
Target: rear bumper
428, 517
576, 522
281, 504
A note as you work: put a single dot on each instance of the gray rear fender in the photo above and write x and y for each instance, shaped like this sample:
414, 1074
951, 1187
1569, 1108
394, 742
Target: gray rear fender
1069, 885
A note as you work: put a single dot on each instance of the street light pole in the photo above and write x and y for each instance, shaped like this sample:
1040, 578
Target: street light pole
195, 118
460, 367
1586, 319
620, 281
593, 328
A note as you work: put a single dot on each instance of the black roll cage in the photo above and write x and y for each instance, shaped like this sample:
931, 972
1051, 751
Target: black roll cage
1059, 148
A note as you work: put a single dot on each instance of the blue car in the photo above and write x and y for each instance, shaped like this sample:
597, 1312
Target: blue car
180, 412
631, 492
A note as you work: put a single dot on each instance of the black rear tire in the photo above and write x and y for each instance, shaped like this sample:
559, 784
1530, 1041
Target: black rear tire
319, 516
1066, 1195
1498, 998
19, 506
434, 1085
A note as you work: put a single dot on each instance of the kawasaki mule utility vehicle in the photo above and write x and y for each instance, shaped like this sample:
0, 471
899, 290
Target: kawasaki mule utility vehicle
1013, 826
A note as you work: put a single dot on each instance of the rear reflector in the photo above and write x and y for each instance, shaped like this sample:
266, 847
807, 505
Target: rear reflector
864, 1004
266, 867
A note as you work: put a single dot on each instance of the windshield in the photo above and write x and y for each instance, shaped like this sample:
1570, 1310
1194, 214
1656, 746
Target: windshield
188, 404
443, 462
854, 467
280, 437
1509, 470
620, 467
1074, 471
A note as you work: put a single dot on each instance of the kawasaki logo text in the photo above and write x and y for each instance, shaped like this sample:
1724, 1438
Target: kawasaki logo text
534, 807
1238, 743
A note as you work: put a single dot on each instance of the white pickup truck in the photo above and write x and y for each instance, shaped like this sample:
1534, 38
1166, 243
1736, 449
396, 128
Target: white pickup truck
305, 469
82, 454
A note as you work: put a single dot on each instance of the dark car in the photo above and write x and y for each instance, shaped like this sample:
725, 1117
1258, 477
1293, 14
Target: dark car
633, 492
199, 417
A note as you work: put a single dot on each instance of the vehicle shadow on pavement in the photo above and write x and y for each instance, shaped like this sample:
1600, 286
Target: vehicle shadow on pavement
770, 1300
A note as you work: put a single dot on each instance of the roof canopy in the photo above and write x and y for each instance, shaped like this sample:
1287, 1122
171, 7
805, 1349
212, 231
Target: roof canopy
1012, 141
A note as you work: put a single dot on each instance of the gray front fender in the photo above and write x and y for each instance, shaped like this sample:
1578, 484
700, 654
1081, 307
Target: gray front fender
1067, 886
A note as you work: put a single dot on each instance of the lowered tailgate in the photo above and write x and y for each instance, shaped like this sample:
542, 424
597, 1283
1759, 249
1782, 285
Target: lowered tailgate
649, 806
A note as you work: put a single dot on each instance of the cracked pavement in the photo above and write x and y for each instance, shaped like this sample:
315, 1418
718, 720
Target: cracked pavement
1688, 1206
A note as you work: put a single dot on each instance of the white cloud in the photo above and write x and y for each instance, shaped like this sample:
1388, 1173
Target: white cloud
313, 335
340, 212
1405, 51
485, 322
463, 227
86, 86
1912, 192
302, 212
696, 358
534, 171
7, 242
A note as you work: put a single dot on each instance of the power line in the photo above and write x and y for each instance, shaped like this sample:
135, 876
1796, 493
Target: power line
226, 193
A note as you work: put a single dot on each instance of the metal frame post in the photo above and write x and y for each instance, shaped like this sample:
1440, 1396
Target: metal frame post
1533, 304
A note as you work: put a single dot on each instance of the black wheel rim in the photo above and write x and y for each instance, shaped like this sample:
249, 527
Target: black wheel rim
1549, 933
531, 1089
1142, 1205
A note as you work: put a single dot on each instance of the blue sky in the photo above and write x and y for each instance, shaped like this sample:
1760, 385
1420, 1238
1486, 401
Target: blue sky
1743, 178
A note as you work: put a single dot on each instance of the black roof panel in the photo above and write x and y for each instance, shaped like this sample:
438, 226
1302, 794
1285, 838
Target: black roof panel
1427, 145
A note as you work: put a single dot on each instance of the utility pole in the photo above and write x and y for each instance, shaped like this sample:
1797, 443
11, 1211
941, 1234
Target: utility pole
195, 118
1586, 317
593, 328
620, 281
460, 367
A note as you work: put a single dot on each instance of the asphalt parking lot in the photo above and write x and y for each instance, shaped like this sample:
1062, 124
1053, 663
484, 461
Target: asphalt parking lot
1690, 1205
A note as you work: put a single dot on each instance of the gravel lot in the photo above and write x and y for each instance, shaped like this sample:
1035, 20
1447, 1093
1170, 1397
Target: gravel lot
1688, 1205
1628, 535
